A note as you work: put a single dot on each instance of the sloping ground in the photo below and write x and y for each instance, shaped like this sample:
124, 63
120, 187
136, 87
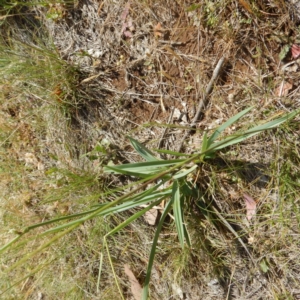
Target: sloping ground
142, 60
142, 68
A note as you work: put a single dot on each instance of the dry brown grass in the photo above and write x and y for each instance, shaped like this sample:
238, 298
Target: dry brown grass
77, 80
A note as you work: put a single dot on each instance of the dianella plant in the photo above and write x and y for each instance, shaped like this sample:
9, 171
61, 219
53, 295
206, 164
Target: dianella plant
156, 182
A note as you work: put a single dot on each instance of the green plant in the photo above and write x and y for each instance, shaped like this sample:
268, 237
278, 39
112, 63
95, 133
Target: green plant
158, 180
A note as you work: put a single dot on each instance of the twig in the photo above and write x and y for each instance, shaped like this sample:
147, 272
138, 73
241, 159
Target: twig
128, 93
172, 43
208, 89
203, 101
166, 129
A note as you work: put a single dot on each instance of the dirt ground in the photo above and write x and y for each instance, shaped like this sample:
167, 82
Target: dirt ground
145, 67
147, 64
145, 60
163, 64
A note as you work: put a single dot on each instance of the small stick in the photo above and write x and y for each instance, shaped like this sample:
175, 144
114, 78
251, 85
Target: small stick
208, 89
203, 101
166, 129
172, 43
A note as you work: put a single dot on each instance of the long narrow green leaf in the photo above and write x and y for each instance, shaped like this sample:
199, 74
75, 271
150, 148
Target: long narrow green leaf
111, 210
59, 219
228, 123
185, 172
134, 203
171, 152
239, 137
153, 250
142, 150
204, 142
133, 218
276, 122
146, 196
150, 190
10, 243
139, 172
186, 235
142, 169
152, 164
141, 194
177, 209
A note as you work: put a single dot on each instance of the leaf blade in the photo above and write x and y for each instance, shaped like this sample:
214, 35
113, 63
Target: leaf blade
142, 169
239, 137
142, 150
228, 123
177, 209
153, 250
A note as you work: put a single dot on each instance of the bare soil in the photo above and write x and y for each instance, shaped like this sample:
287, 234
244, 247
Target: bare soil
166, 59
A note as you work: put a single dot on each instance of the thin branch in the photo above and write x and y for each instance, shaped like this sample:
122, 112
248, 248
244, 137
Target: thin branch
166, 129
203, 101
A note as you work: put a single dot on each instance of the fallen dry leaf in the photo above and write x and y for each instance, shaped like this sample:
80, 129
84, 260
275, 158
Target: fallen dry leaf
158, 30
151, 216
295, 51
250, 206
283, 89
136, 288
